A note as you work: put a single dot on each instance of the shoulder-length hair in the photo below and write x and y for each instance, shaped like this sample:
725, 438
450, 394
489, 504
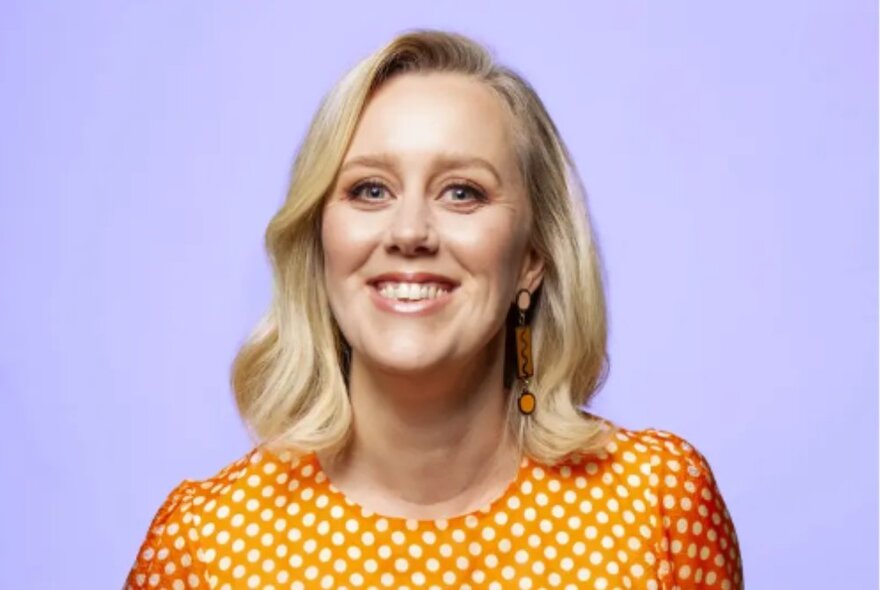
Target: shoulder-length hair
290, 376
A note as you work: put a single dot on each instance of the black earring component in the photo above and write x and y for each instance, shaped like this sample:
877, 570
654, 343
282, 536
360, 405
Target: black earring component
524, 368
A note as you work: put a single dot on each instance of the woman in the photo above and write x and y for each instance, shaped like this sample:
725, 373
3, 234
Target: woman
416, 388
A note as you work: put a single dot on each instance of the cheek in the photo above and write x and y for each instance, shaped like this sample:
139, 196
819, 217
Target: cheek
347, 242
488, 247
496, 237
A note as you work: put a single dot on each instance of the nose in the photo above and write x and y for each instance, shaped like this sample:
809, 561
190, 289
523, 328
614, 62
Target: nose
411, 229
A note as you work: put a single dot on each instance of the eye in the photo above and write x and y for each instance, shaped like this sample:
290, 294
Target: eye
372, 190
464, 192
368, 190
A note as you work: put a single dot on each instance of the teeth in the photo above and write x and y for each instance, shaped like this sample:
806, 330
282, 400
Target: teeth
411, 291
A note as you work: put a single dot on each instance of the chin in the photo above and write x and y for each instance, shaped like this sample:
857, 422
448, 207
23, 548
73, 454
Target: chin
404, 355
406, 363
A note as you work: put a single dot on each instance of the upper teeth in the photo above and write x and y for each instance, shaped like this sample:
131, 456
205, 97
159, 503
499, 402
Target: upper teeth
411, 290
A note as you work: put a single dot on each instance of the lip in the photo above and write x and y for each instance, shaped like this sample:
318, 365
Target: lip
412, 308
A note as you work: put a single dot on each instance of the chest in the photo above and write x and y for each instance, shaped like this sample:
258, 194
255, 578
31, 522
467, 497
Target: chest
534, 550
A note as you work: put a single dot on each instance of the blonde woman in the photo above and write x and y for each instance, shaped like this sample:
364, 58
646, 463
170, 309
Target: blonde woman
416, 389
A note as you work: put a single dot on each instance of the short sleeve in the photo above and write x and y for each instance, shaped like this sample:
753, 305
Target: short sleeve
699, 546
167, 557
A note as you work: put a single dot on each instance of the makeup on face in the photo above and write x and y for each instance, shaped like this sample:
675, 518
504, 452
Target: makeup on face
425, 231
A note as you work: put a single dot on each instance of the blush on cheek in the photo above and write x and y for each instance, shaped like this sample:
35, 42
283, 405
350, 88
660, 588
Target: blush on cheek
493, 246
339, 247
346, 250
347, 232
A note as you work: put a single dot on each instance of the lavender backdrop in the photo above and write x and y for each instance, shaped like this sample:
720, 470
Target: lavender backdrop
730, 152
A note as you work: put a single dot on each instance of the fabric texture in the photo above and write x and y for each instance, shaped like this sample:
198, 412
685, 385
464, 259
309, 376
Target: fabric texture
644, 513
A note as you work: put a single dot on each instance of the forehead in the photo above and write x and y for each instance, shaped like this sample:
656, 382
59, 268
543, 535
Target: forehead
417, 114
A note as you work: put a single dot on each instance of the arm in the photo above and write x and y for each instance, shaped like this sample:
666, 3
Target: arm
699, 547
167, 557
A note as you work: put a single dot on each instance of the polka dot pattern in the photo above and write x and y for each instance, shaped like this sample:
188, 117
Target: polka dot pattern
644, 513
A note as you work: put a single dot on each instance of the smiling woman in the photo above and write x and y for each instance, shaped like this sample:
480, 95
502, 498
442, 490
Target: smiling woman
461, 219
417, 388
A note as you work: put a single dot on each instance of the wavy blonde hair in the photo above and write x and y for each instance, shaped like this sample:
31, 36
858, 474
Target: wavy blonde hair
290, 376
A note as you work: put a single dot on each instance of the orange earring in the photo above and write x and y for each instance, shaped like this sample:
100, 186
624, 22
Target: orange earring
524, 368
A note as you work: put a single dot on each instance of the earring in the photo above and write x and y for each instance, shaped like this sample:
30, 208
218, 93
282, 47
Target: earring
524, 368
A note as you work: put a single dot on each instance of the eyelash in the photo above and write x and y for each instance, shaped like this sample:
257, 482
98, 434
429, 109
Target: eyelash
477, 193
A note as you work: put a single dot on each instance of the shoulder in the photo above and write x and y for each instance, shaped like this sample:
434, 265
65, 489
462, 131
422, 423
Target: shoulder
174, 552
694, 533
246, 479
170, 554
655, 451
182, 506
680, 467
179, 519
620, 440
659, 467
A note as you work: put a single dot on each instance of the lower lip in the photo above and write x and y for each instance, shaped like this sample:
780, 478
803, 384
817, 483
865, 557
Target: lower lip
410, 308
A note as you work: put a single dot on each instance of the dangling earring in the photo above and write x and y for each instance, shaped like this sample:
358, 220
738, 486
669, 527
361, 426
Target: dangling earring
524, 368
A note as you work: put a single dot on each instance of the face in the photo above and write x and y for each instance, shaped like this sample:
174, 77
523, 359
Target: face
426, 231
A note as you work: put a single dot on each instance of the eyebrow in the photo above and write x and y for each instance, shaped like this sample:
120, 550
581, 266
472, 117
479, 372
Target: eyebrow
442, 162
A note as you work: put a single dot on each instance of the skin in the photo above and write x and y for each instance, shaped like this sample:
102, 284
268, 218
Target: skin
430, 437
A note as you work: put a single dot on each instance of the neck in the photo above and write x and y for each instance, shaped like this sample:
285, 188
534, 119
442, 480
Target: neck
431, 446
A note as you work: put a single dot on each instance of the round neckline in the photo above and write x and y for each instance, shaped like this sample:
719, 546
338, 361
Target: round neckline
488, 508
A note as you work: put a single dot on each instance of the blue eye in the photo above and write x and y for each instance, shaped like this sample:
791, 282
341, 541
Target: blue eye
374, 190
466, 190
371, 190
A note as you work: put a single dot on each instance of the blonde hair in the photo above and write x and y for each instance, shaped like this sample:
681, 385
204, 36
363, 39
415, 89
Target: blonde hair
289, 378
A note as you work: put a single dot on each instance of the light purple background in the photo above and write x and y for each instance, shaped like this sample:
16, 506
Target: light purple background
729, 152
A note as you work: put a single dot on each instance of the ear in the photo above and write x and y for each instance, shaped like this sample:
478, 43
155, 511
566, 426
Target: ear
532, 271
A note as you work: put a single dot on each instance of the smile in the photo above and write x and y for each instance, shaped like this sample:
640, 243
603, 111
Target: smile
411, 291
411, 299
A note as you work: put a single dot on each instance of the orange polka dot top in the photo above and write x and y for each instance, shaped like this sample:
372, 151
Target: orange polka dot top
644, 513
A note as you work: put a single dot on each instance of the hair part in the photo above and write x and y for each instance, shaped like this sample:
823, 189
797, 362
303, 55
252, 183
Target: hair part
290, 376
